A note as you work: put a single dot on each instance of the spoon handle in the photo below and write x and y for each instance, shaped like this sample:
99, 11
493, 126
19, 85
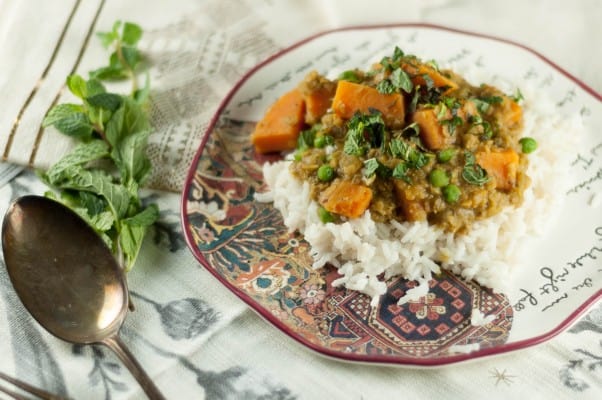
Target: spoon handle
116, 344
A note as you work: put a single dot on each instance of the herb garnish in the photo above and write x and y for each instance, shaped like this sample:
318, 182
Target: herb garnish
350, 75
364, 131
518, 97
398, 80
472, 172
114, 129
373, 166
477, 120
400, 172
391, 63
413, 157
306, 138
484, 103
449, 105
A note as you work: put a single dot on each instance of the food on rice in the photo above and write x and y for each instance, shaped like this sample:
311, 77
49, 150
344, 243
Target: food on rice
406, 168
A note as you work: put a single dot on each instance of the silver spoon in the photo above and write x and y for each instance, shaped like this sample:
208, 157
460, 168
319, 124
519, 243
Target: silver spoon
67, 278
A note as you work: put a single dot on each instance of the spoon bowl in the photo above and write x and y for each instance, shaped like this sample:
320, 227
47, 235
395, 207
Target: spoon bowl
67, 278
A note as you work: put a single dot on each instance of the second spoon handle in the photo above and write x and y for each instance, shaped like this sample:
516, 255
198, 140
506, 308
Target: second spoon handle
114, 343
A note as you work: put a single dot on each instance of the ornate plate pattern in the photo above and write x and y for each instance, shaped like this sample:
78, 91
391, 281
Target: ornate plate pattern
247, 247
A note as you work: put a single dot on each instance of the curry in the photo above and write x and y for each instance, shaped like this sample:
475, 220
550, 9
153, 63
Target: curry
404, 140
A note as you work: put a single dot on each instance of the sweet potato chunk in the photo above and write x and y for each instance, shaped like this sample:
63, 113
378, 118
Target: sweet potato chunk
281, 124
501, 165
434, 135
512, 113
412, 208
439, 80
346, 198
352, 97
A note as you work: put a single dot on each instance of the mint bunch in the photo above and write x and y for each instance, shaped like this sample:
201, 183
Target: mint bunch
101, 177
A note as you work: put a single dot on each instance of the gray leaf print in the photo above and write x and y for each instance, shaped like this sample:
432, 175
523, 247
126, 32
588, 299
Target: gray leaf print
185, 318
221, 385
591, 322
570, 374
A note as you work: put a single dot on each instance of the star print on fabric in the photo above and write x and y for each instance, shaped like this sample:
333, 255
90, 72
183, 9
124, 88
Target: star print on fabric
501, 376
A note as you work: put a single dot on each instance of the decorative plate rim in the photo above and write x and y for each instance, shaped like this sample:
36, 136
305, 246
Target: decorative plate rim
400, 361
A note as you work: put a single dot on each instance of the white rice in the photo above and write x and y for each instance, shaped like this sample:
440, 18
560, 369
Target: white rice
362, 250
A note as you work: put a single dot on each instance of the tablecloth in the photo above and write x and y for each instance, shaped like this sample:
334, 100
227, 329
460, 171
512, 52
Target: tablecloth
192, 335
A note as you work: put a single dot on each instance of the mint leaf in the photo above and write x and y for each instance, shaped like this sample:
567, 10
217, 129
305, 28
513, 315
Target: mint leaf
133, 230
108, 101
131, 33
130, 241
130, 157
400, 172
129, 118
472, 172
413, 157
75, 124
77, 86
98, 182
401, 80
363, 132
115, 29
106, 38
306, 138
141, 95
80, 155
131, 56
94, 87
59, 112
370, 167
397, 54
399, 149
145, 218
385, 87
109, 73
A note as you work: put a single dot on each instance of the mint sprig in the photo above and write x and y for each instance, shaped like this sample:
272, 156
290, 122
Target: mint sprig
101, 177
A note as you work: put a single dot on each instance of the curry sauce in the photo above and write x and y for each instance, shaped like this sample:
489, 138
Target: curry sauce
410, 142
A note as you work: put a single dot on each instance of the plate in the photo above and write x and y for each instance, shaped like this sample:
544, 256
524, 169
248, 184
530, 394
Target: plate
245, 245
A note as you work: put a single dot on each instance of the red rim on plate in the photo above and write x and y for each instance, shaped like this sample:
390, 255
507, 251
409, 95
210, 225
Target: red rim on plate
338, 353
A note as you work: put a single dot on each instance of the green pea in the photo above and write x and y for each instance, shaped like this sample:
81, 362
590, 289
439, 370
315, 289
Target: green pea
298, 155
446, 155
451, 193
323, 141
325, 215
438, 178
528, 145
319, 142
325, 173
